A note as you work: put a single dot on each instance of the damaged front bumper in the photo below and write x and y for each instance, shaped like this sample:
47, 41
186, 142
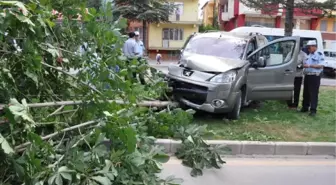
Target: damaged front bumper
196, 92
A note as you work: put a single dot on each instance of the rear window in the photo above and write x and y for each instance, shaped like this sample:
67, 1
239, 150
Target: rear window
303, 40
218, 47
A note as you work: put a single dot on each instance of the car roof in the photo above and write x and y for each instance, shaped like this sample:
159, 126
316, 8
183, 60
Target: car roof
222, 34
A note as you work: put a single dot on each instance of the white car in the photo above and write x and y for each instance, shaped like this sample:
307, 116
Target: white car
330, 63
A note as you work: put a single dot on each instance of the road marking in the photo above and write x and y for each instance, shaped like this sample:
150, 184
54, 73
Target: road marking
244, 162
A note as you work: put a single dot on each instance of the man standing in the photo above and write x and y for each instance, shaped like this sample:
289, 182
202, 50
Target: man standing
140, 49
313, 69
130, 51
302, 57
130, 46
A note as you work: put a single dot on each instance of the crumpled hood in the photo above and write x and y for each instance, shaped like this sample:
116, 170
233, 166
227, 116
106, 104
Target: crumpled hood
210, 63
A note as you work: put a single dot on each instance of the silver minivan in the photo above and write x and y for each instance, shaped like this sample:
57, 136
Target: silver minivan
219, 72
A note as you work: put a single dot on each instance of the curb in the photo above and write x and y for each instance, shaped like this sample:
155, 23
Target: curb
262, 148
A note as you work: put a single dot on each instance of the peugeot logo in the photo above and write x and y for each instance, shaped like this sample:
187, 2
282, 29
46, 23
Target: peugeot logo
187, 73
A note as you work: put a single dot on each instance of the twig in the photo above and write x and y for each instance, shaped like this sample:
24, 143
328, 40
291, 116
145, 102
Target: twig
56, 111
60, 70
19, 147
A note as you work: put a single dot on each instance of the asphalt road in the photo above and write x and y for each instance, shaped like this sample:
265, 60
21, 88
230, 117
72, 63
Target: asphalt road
259, 171
324, 81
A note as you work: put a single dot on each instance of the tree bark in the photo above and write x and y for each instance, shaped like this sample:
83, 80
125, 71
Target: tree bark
214, 15
289, 18
144, 33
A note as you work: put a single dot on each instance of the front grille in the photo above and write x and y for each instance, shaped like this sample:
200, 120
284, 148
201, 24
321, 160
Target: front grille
194, 93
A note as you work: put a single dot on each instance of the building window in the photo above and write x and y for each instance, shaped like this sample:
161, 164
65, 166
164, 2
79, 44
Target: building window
265, 22
323, 25
172, 34
225, 7
334, 28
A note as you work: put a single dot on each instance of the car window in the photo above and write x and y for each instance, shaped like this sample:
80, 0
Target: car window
333, 54
326, 53
219, 47
277, 53
250, 47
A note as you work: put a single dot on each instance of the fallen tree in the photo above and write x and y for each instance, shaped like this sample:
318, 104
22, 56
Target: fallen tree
48, 137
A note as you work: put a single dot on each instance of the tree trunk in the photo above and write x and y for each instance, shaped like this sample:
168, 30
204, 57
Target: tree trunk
144, 33
289, 18
214, 15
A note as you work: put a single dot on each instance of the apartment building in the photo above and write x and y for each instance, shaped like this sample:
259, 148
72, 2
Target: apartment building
327, 26
168, 38
208, 12
233, 13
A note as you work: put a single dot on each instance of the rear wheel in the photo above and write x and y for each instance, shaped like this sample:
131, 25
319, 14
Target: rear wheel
235, 113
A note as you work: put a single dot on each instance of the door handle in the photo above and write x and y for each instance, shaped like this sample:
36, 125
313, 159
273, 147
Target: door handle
288, 71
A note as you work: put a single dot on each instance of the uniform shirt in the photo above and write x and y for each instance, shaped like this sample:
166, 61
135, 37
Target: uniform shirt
129, 48
140, 48
315, 58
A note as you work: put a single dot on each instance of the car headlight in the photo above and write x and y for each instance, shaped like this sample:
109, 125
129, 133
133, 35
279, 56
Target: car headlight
226, 77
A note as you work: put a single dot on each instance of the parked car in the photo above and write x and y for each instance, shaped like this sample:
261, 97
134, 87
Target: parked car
330, 63
220, 71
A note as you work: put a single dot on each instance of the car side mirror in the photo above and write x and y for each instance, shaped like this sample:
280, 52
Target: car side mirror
260, 63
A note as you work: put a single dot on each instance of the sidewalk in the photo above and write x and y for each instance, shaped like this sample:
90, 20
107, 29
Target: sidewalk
262, 148
164, 63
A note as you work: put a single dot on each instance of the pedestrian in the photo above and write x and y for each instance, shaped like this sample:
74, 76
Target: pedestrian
130, 46
313, 68
158, 58
130, 51
140, 49
302, 57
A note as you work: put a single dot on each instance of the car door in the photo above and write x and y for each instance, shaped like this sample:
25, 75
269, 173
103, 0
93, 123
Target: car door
271, 77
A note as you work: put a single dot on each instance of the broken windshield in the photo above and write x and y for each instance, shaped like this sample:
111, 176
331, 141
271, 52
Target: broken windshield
218, 47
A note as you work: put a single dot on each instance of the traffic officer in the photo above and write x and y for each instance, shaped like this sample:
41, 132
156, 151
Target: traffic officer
313, 68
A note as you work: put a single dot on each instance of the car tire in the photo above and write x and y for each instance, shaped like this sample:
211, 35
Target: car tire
235, 113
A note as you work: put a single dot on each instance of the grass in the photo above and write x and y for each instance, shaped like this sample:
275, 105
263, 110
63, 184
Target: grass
273, 121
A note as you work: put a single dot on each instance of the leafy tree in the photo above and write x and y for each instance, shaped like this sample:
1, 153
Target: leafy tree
103, 137
306, 6
203, 28
94, 4
145, 11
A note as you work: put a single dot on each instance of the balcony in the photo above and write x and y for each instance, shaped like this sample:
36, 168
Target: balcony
182, 19
225, 16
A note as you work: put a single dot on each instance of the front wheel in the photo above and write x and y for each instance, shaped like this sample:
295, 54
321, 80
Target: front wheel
235, 113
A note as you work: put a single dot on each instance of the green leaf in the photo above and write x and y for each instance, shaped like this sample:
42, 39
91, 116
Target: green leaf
51, 179
123, 72
32, 76
21, 111
59, 180
66, 176
162, 158
25, 20
102, 180
128, 136
5, 145
17, 4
